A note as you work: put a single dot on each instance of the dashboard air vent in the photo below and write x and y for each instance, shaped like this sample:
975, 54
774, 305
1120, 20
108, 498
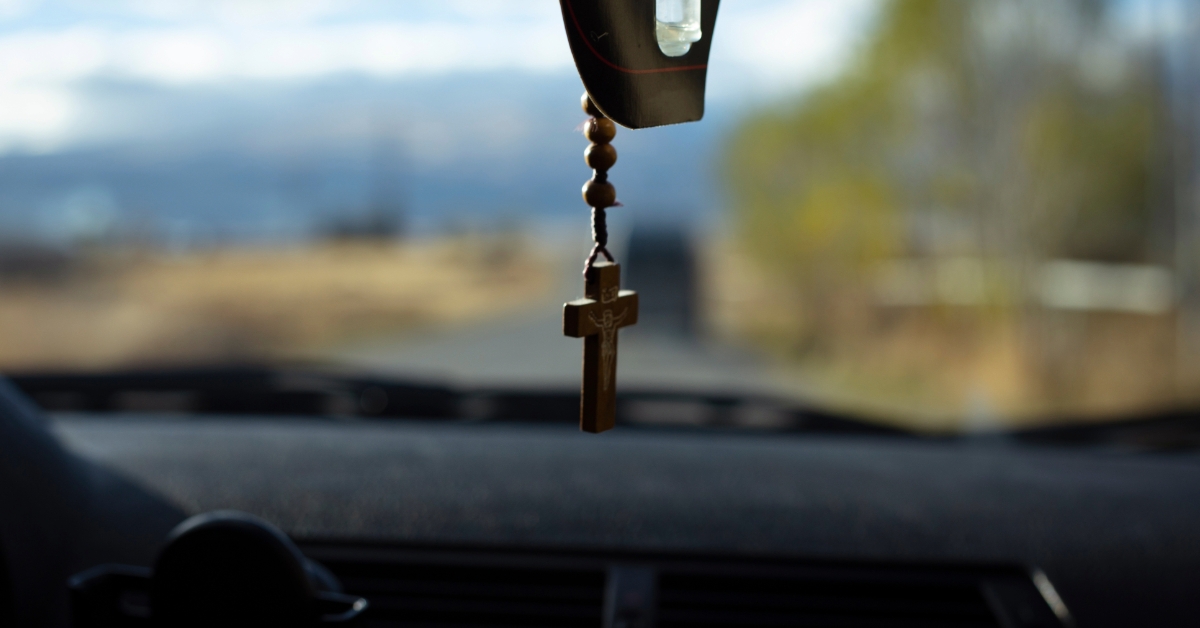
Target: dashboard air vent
404, 594
750, 601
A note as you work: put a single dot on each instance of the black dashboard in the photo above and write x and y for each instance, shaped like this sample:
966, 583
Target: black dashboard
458, 523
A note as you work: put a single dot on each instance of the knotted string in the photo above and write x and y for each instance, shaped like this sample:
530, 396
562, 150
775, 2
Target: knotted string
600, 235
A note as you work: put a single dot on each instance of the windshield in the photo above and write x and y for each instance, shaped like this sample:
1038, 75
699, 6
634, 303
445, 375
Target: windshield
945, 215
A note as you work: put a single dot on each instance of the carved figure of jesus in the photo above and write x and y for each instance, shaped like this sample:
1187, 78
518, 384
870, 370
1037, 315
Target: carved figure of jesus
608, 325
596, 319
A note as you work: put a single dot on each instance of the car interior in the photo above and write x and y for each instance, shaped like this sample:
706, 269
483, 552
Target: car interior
915, 345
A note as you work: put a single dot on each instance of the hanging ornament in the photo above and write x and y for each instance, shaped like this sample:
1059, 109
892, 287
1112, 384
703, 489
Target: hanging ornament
643, 64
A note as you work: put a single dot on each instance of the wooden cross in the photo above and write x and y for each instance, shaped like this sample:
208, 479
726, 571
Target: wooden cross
596, 319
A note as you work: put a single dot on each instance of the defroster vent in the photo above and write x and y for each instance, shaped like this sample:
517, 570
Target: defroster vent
478, 588
414, 594
723, 600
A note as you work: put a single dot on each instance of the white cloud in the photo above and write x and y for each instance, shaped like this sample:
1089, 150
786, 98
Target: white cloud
35, 119
43, 72
275, 12
189, 55
218, 12
10, 9
51, 57
768, 48
762, 46
178, 57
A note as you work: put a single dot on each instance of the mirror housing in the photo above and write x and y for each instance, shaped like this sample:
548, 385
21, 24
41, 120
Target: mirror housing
626, 73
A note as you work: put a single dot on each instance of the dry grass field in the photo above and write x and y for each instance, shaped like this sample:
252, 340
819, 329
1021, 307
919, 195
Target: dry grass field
948, 368
125, 309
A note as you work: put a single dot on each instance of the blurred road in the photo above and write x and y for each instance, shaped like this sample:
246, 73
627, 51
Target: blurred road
529, 350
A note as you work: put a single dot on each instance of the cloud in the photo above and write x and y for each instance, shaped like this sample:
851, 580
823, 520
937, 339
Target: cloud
44, 72
191, 55
10, 9
766, 48
52, 50
35, 119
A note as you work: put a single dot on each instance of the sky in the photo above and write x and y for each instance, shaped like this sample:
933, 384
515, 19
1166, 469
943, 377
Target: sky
268, 118
53, 51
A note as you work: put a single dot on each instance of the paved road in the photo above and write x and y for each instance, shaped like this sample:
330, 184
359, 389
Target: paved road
528, 350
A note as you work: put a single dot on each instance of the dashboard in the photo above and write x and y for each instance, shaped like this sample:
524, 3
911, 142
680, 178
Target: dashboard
456, 523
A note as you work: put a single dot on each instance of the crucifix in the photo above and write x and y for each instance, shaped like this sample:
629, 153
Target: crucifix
596, 318
630, 81
605, 308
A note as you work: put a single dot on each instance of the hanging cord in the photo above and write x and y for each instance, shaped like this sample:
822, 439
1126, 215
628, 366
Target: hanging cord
598, 193
600, 235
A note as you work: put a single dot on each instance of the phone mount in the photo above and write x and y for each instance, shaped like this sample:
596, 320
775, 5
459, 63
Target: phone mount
223, 568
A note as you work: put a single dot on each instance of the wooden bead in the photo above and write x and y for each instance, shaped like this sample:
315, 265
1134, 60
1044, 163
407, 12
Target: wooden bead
599, 193
600, 131
590, 107
600, 156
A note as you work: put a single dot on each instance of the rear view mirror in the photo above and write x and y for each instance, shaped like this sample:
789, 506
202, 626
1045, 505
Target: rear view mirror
643, 63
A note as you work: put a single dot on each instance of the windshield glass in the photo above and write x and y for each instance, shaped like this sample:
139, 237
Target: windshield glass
945, 215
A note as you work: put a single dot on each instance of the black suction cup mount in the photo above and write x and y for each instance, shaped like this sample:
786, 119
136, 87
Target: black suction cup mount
223, 568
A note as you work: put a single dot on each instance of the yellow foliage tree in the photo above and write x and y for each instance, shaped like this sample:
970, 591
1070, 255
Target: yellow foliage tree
960, 112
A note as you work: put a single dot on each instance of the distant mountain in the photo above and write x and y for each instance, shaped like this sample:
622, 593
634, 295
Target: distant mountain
278, 161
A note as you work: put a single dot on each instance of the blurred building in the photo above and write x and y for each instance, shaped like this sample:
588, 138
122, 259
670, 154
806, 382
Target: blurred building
661, 265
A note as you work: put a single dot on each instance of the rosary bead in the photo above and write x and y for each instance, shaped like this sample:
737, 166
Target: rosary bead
600, 156
590, 107
599, 193
600, 131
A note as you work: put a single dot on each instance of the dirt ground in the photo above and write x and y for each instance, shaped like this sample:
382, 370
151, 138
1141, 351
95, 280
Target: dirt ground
134, 308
